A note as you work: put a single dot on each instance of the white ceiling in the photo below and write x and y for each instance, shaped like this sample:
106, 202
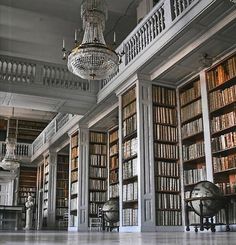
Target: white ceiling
35, 29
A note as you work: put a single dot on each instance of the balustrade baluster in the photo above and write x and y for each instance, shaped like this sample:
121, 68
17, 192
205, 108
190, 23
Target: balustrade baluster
163, 18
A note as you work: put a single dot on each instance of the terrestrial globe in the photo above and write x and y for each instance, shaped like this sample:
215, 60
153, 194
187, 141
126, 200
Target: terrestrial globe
111, 211
211, 196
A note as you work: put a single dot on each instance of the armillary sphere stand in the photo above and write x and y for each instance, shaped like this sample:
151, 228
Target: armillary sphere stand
206, 222
111, 225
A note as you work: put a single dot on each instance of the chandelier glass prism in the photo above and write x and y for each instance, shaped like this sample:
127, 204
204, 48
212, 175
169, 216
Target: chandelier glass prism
92, 59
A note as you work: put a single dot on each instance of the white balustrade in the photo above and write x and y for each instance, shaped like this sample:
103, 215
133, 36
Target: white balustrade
53, 127
16, 70
179, 6
22, 149
160, 18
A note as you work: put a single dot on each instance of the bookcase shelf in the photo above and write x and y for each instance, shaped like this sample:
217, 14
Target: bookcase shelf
62, 190
73, 180
129, 185
98, 172
221, 85
166, 157
113, 135
192, 136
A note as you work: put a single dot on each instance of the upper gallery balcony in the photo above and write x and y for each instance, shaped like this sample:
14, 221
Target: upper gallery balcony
169, 43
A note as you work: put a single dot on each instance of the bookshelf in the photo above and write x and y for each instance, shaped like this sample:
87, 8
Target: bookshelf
166, 157
114, 163
98, 172
62, 188
45, 191
73, 200
129, 159
192, 136
221, 86
113, 135
27, 187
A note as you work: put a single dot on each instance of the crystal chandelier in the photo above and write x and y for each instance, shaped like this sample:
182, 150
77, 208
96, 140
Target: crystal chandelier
92, 59
9, 161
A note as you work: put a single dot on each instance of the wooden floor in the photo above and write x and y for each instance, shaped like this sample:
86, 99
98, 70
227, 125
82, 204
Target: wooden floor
77, 238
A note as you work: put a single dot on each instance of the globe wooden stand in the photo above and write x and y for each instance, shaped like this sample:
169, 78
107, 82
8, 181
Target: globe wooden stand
205, 222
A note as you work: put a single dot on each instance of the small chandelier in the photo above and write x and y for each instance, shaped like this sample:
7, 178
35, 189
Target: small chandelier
92, 59
9, 161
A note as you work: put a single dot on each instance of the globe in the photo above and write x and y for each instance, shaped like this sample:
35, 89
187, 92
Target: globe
111, 211
212, 198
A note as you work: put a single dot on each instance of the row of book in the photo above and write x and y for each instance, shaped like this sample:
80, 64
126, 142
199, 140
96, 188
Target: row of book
114, 191
224, 121
95, 184
164, 115
194, 175
191, 110
74, 188
222, 73
192, 128
193, 151
220, 98
130, 147
190, 94
97, 149
168, 218
113, 136
94, 208
74, 141
221, 218
97, 137
224, 163
167, 184
228, 187
62, 202
74, 152
114, 162
73, 203
95, 172
166, 169
63, 184
130, 192
22, 200
114, 149
129, 96
224, 141
61, 211
62, 193
166, 151
114, 176
130, 125
61, 167
168, 201
97, 196
130, 216
129, 169
74, 176
193, 218
74, 164
62, 175
163, 96
129, 110
98, 160
165, 133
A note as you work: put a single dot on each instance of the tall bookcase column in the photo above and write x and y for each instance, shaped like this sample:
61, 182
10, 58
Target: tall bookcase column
51, 212
146, 188
206, 127
40, 189
83, 178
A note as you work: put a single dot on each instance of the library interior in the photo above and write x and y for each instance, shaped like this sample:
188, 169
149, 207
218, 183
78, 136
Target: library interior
118, 122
